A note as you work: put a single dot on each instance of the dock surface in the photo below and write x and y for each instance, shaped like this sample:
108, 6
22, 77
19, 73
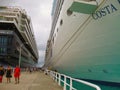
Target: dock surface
31, 81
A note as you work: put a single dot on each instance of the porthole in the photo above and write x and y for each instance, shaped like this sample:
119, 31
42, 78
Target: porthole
61, 22
69, 12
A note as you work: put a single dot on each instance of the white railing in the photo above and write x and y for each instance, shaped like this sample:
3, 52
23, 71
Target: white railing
57, 77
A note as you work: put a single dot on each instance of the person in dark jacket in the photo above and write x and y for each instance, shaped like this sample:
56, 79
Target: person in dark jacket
1, 73
8, 74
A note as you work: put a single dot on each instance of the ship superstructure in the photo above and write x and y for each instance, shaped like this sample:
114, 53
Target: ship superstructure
17, 37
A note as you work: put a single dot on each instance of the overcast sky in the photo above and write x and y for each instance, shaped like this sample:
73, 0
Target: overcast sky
40, 13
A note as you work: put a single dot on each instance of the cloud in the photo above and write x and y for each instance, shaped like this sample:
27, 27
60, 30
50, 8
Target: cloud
41, 47
41, 53
41, 59
40, 13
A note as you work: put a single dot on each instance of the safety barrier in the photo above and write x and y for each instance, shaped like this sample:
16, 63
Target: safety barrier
57, 77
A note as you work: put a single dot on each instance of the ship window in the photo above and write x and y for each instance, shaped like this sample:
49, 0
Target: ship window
9, 41
8, 50
3, 50
61, 22
69, 12
3, 40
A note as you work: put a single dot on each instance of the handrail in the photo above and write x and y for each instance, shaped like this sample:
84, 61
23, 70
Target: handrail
57, 76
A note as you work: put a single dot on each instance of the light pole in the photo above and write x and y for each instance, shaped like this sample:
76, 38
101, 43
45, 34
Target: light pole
20, 52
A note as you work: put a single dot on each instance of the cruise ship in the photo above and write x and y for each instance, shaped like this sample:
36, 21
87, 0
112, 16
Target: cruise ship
17, 40
84, 40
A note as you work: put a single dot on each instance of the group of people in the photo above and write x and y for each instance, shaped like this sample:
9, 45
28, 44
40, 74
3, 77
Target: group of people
8, 73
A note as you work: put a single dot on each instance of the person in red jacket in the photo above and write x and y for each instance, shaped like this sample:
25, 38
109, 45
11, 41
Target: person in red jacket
1, 73
17, 74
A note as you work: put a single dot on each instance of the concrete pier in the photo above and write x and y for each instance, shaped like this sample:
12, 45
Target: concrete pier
31, 81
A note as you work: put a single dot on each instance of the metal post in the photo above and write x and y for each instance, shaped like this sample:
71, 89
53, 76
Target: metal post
71, 83
20, 52
55, 76
64, 82
59, 79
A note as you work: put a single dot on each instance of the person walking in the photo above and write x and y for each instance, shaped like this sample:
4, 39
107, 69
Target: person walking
17, 74
8, 74
1, 73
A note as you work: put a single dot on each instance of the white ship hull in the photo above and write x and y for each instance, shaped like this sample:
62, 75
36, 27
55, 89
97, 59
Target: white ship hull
87, 46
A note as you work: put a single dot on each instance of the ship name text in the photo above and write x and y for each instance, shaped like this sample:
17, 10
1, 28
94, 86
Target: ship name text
105, 11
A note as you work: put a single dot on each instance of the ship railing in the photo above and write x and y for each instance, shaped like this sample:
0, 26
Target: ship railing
62, 78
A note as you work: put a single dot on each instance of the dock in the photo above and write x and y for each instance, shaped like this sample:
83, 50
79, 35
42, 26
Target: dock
31, 81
